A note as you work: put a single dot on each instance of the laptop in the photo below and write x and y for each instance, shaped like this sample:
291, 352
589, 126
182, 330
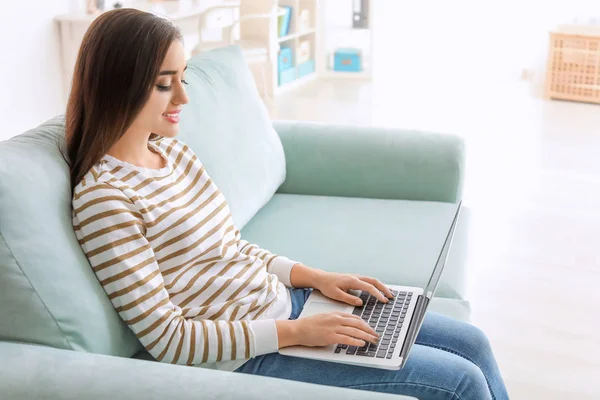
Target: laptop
397, 322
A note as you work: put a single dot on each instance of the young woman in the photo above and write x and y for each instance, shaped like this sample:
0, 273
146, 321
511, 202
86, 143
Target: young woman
160, 237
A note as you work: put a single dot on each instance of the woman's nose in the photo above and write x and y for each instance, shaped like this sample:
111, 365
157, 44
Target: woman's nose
181, 97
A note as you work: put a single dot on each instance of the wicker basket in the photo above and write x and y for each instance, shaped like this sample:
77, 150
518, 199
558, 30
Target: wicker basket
574, 64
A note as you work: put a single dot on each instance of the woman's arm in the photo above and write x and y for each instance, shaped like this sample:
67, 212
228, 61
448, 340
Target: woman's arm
279, 265
304, 277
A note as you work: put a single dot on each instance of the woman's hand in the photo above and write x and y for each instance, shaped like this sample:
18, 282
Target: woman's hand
325, 329
336, 286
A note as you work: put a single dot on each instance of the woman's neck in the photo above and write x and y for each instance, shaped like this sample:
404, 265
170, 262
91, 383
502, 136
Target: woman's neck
133, 149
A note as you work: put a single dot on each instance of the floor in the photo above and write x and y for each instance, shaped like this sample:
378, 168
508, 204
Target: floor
533, 186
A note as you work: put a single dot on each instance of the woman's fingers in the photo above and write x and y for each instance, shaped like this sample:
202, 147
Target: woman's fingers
356, 322
344, 339
358, 334
367, 287
349, 298
377, 284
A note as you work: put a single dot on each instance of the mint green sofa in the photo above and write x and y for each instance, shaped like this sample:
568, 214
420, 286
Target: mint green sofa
340, 198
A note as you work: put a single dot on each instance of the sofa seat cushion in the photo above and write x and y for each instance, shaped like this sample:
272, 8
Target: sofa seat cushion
396, 241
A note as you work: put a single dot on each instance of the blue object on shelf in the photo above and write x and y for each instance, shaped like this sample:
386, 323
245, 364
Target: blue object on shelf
306, 68
283, 21
347, 60
287, 75
285, 66
285, 59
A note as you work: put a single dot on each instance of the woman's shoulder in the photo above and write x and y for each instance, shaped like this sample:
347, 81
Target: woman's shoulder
103, 177
177, 150
172, 146
94, 184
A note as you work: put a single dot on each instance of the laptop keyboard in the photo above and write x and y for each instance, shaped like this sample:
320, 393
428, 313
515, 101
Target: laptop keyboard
386, 318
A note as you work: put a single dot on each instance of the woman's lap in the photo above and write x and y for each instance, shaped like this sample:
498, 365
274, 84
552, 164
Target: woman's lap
428, 374
450, 360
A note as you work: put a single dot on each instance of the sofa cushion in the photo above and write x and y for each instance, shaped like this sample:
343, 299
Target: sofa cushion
48, 292
454, 308
395, 241
228, 127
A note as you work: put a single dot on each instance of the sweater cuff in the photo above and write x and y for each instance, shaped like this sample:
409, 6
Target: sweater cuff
264, 335
282, 267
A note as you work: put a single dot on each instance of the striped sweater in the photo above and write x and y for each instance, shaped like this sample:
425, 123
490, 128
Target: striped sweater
163, 244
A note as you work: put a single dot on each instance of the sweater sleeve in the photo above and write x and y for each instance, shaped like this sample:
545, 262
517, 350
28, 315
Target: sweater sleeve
278, 265
110, 230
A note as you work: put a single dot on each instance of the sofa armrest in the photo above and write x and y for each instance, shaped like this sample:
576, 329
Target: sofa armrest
351, 161
36, 372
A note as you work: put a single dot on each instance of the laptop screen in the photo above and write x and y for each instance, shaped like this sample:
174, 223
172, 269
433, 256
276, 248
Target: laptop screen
439, 266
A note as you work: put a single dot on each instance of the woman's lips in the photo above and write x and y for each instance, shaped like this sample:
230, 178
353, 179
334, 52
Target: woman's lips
172, 117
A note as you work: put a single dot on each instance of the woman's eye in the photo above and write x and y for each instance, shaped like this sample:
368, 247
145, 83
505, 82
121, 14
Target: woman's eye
164, 88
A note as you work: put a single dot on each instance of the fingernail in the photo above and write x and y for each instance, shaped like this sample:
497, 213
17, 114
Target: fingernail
358, 302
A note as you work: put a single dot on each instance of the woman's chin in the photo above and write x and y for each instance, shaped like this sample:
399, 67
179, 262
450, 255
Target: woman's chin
169, 133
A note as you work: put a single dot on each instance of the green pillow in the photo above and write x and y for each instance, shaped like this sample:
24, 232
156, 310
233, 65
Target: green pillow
48, 292
228, 127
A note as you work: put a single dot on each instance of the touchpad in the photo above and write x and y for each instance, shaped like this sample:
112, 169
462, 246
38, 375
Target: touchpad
316, 307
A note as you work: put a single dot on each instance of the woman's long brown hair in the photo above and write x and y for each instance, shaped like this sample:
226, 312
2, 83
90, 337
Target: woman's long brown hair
118, 62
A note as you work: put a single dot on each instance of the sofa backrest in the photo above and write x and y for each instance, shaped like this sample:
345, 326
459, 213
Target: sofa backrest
48, 293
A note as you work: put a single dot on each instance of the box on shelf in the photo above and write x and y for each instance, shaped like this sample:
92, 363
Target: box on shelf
304, 21
306, 68
285, 59
347, 60
283, 21
303, 51
286, 76
285, 66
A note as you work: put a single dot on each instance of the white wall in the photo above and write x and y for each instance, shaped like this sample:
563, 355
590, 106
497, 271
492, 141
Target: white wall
474, 41
30, 63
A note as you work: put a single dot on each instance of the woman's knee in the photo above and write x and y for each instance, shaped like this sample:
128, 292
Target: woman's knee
454, 335
476, 338
440, 374
471, 383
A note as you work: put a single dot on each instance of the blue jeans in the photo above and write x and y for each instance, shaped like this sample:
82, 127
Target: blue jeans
450, 360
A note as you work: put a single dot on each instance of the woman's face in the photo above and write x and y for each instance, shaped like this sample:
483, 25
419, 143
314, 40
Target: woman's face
160, 114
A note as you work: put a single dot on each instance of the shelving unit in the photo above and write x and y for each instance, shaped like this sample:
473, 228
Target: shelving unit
296, 35
299, 31
329, 26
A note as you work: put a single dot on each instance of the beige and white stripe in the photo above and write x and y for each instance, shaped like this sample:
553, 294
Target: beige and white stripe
164, 247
